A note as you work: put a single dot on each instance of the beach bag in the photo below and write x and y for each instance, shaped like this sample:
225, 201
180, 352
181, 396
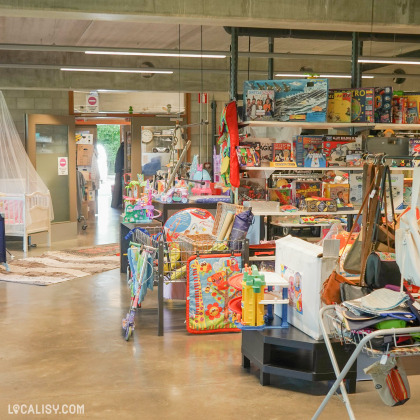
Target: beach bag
390, 380
407, 237
240, 228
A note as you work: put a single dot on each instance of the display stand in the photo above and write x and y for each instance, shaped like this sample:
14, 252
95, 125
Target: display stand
291, 353
327, 320
125, 227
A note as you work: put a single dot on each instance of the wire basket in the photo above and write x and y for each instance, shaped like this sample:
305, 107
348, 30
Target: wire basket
389, 344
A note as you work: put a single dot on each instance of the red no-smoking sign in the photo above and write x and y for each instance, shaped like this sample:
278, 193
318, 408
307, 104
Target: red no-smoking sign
92, 100
63, 162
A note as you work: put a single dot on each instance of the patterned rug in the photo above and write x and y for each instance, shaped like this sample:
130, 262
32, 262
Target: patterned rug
58, 266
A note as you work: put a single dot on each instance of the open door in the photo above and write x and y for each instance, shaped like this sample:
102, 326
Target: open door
52, 150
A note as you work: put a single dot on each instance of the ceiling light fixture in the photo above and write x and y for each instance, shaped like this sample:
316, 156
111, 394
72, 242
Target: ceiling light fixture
388, 61
337, 76
157, 54
116, 70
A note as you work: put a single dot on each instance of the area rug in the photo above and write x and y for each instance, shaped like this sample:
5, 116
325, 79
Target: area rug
59, 266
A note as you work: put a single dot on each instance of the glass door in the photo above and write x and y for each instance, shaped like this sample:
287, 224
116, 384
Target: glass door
51, 148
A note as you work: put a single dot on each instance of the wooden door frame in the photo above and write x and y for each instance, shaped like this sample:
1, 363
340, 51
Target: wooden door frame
31, 121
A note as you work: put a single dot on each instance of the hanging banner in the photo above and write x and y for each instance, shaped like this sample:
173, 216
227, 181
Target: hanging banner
92, 102
63, 166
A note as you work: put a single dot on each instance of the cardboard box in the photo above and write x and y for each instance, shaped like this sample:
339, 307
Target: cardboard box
300, 264
356, 189
86, 174
309, 152
337, 192
339, 106
362, 105
383, 105
320, 204
304, 189
295, 99
399, 110
413, 105
283, 155
259, 104
249, 154
84, 138
336, 148
415, 151
84, 154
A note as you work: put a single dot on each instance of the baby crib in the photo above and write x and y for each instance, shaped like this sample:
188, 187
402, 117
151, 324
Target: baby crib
25, 214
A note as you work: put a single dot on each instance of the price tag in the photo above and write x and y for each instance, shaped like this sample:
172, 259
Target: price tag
372, 194
384, 358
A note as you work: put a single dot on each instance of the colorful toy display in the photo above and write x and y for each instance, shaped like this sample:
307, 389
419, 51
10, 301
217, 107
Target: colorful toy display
138, 202
209, 293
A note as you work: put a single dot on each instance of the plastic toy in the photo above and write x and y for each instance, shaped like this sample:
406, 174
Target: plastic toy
253, 284
138, 204
175, 195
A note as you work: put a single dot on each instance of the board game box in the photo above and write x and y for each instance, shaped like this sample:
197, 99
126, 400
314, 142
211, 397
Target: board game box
383, 105
356, 189
339, 106
283, 155
309, 152
295, 99
399, 110
336, 149
362, 108
415, 151
413, 104
249, 154
304, 189
259, 104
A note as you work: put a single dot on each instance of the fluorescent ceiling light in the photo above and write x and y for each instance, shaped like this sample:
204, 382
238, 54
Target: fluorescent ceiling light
337, 76
116, 70
157, 54
386, 61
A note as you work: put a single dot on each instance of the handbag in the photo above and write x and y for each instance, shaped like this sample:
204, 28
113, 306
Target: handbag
351, 292
407, 237
330, 293
382, 269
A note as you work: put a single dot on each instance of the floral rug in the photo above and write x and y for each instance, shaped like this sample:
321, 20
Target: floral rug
59, 266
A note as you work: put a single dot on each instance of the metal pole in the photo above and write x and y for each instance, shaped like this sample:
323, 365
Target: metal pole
356, 68
234, 64
271, 60
161, 257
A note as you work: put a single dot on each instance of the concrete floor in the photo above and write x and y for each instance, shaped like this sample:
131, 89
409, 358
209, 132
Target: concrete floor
62, 344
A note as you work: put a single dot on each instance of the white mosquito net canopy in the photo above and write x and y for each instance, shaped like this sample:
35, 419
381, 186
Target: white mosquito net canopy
17, 174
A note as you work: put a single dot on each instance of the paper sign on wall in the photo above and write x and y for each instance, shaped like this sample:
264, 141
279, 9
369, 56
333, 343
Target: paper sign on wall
92, 102
63, 166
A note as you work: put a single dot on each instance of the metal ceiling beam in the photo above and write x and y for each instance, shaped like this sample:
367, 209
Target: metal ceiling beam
325, 35
184, 70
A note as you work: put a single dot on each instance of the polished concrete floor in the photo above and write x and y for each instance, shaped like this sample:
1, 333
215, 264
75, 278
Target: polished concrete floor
62, 344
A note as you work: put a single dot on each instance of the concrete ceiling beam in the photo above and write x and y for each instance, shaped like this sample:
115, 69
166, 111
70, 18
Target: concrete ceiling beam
387, 16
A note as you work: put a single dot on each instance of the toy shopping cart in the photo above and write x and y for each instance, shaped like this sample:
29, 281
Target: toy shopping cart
332, 327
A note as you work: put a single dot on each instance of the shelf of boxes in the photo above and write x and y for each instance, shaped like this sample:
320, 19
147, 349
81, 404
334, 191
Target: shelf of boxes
302, 168
327, 125
302, 213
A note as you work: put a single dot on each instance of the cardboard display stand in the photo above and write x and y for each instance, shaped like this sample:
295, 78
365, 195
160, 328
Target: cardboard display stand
305, 266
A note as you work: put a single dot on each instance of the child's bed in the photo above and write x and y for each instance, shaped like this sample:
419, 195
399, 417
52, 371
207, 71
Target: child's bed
25, 214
